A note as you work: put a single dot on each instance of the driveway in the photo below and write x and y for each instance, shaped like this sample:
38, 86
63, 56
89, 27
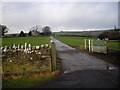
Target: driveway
82, 70
73, 59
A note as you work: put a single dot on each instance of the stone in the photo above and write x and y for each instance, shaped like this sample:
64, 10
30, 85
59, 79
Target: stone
10, 60
42, 46
5, 49
22, 47
33, 48
29, 46
18, 47
13, 46
10, 47
1, 48
46, 45
37, 47
38, 53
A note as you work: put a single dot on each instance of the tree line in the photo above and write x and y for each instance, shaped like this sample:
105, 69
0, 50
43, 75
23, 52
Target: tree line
34, 31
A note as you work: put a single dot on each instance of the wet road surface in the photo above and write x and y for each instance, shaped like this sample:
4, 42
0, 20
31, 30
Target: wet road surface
73, 59
85, 79
82, 70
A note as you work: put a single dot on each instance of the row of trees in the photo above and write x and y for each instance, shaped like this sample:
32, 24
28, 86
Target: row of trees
37, 30
34, 31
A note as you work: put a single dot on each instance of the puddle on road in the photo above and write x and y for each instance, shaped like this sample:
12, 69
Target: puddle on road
68, 71
111, 68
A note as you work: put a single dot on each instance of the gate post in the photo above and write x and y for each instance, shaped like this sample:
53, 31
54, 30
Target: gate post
53, 55
85, 43
107, 45
89, 44
92, 45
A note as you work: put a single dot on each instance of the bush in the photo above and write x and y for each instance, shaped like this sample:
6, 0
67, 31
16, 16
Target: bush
112, 35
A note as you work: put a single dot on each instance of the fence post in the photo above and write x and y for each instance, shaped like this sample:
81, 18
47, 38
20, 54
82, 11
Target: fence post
85, 43
107, 45
92, 45
89, 44
53, 55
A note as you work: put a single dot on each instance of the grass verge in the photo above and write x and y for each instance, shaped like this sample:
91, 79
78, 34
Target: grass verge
28, 81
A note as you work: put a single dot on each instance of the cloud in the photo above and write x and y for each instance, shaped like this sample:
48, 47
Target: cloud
60, 16
60, 0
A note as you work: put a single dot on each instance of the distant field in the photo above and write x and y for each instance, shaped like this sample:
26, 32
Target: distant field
82, 33
79, 41
30, 40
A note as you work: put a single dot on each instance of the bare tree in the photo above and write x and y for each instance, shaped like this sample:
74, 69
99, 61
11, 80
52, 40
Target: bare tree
36, 28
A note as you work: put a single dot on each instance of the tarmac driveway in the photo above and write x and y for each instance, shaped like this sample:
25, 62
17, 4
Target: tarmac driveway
73, 59
82, 70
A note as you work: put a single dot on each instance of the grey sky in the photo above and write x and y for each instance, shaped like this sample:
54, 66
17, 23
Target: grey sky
59, 15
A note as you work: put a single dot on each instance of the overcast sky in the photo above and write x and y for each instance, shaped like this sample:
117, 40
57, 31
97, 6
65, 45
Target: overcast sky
59, 16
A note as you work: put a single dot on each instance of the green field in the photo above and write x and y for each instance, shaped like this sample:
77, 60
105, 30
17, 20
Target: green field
79, 41
30, 40
73, 41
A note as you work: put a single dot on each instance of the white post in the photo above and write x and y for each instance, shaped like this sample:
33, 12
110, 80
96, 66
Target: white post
85, 43
92, 45
89, 44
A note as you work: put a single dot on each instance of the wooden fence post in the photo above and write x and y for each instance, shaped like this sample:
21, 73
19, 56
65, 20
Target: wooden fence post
92, 45
53, 55
85, 43
107, 45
